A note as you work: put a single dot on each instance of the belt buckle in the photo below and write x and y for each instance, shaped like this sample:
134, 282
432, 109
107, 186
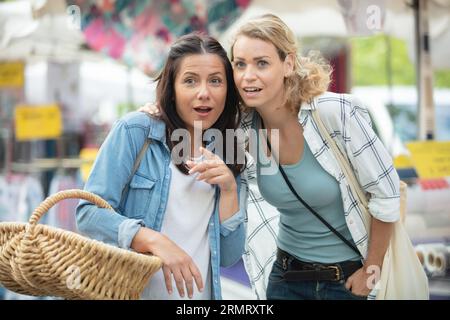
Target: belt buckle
338, 272
285, 263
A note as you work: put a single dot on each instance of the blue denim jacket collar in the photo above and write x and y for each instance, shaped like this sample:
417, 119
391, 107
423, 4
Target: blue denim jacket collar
158, 131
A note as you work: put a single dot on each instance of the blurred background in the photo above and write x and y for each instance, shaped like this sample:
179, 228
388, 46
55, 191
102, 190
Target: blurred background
69, 69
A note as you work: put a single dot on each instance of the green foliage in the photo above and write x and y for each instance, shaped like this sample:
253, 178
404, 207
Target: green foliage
442, 79
370, 63
124, 107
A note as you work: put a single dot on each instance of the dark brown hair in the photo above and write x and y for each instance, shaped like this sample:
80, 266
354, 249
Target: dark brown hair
191, 44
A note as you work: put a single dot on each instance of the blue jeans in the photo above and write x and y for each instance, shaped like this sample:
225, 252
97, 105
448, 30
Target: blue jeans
280, 289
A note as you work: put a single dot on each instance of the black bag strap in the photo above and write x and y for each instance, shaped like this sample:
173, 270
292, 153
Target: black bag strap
317, 215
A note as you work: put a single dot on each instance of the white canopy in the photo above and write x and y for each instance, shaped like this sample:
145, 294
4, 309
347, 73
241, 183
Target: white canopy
39, 30
343, 18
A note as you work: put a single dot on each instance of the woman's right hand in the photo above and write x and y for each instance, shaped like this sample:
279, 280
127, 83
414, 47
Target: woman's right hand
175, 260
150, 108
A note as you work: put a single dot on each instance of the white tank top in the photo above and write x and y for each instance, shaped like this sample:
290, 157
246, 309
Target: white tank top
189, 208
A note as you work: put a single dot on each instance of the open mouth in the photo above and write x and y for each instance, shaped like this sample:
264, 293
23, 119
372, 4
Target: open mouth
203, 110
252, 89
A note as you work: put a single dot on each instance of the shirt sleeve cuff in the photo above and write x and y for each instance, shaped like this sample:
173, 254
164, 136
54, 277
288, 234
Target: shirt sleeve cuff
386, 210
127, 231
231, 224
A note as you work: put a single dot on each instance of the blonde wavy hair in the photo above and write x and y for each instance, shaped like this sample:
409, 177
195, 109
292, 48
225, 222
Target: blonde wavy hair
312, 74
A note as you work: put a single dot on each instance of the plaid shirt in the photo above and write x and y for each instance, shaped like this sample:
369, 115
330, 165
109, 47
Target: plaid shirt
349, 125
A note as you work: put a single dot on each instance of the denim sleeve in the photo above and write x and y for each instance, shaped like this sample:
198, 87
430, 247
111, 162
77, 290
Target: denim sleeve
232, 223
106, 225
108, 177
232, 230
232, 246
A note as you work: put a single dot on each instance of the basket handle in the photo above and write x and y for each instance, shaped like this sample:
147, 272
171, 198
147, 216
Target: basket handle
66, 194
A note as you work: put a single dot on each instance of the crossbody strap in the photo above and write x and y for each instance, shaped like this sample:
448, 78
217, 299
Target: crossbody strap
136, 166
317, 215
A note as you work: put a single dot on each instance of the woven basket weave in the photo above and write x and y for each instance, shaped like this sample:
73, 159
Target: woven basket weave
40, 260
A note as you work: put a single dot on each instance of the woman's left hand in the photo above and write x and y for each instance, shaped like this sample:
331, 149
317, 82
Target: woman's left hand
358, 282
213, 171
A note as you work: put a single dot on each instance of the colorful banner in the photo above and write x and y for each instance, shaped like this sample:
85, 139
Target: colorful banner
140, 32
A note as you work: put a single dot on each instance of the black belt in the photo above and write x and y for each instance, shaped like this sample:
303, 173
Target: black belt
310, 271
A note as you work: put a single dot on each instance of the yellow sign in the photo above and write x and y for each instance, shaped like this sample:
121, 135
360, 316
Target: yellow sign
431, 158
11, 74
88, 156
38, 122
403, 161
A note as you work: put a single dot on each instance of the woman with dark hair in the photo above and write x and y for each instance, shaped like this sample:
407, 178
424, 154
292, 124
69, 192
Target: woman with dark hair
188, 213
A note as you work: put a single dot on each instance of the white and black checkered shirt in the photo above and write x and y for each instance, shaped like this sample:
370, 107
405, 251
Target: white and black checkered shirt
349, 124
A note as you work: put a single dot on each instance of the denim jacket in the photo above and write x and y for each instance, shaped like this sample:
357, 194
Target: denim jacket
146, 201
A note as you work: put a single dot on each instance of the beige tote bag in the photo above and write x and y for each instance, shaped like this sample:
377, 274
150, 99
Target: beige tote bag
402, 276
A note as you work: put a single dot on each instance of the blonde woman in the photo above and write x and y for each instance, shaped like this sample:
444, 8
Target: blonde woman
325, 254
305, 236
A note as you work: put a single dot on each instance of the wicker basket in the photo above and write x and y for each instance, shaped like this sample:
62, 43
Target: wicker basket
40, 260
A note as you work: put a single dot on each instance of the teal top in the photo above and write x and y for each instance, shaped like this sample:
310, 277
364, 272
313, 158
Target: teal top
300, 232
